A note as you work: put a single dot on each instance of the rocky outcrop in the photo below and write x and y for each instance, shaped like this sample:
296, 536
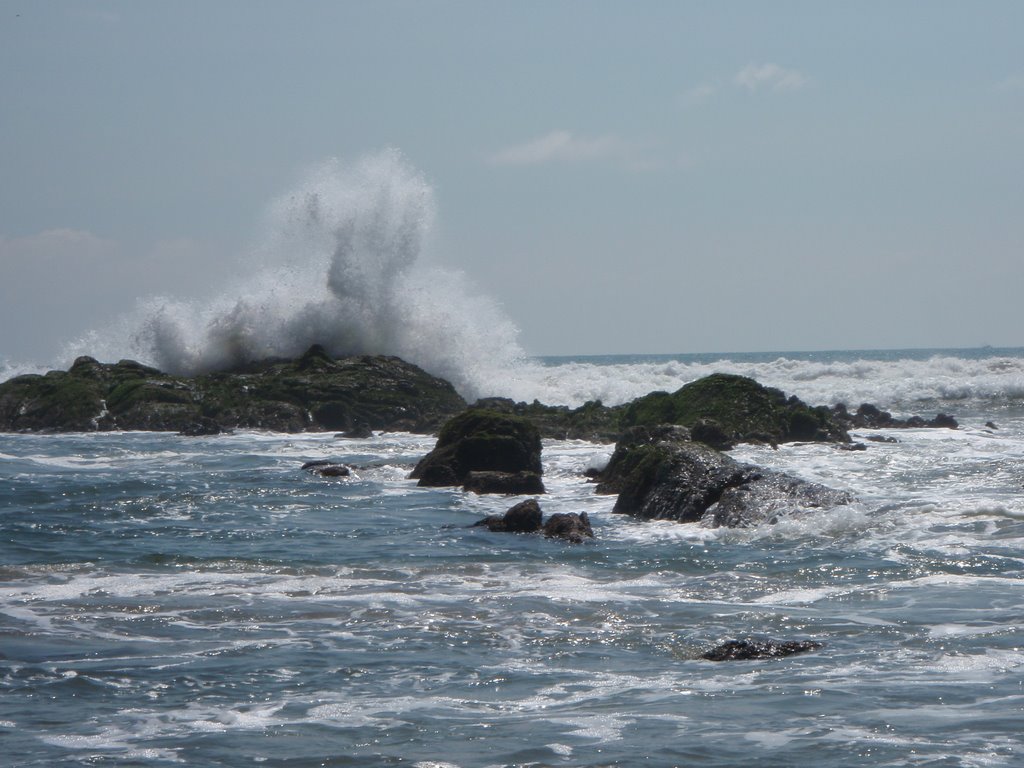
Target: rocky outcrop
868, 416
480, 440
751, 648
724, 409
659, 473
527, 517
313, 393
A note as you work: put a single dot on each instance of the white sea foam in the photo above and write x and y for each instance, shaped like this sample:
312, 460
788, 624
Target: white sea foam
341, 267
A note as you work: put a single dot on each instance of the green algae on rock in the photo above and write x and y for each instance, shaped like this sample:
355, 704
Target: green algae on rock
312, 393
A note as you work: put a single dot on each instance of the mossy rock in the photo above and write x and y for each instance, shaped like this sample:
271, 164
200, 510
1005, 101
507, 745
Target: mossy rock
480, 440
742, 408
315, 392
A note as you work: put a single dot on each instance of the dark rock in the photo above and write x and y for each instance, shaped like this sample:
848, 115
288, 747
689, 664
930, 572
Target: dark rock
509, 483
881, 439
572, 527
315, 392
326, 468
659, 473
359, 432
852, 447
592, 421
480, 440
710, 432
751, 648
991, 425
733, 408
202, 427
524, 517
869, 416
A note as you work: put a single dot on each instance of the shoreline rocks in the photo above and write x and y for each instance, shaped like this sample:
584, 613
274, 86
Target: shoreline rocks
315, 392
659, 473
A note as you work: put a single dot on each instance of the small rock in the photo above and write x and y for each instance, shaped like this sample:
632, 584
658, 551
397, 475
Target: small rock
524, 517
991, 425
750, 648
881, 439
570, 526
325, 468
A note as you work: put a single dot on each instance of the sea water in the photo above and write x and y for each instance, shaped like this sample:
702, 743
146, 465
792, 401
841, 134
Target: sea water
203, 601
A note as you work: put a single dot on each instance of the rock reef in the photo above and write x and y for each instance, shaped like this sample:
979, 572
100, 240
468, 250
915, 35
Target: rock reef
315, 392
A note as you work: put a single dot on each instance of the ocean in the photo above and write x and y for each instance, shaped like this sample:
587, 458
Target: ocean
202, 601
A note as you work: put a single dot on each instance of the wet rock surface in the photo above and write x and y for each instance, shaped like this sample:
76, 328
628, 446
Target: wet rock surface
750, 648
659, 473
479, 440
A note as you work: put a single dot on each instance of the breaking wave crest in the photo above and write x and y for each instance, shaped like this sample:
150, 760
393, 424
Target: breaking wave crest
341, 267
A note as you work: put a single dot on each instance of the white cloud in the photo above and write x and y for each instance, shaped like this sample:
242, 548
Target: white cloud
563, 146
771, 76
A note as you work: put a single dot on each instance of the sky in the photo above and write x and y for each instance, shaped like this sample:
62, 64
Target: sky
620, 177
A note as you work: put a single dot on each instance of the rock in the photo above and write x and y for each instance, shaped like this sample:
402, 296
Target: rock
572, 527
524, 517
202, 427
659, 473
726, 408
750, 648
508, 483
314, 392
480, 440
991, 425
592, 421
852, 447
326, 468
358, 432
869, 416
881, 439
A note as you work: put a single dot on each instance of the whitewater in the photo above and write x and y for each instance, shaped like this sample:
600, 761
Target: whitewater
169, 600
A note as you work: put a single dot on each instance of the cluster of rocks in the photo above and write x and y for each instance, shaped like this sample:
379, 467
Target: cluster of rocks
868, 416
527, 517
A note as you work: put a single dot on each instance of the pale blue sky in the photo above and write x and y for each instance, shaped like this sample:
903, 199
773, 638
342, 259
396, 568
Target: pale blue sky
621, 177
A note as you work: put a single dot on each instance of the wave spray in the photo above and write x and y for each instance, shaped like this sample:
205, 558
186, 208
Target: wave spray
341, 267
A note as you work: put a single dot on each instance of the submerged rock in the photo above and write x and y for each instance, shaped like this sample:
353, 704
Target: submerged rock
751, 648
479, 440
315, 392
326, 468
570, 526
659, 473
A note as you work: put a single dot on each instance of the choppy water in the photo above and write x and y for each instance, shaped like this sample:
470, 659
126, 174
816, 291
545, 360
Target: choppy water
203, 601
